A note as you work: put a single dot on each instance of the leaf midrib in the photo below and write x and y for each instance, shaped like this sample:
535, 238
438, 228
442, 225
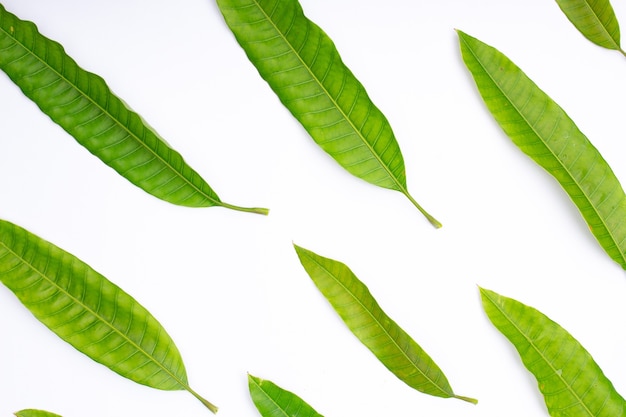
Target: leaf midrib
105, 111
401, 187
566, 169
98, 316
531, 343
448, 394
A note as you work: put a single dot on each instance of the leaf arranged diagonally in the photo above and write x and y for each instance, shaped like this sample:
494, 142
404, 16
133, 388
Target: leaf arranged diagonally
356, 306
90, 312
571, 382
595, 19
35, 413
301, 64
543, 131
273, 401
82, 104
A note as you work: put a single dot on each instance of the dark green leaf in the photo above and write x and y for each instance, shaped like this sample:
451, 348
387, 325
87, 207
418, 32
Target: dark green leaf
301, 64
82, 104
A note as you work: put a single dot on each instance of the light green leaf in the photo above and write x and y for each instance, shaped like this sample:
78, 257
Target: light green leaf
301, 64
82, 104
571, 382
595, 19
35, 413
90, 312
543, 131
273, 401
393, 347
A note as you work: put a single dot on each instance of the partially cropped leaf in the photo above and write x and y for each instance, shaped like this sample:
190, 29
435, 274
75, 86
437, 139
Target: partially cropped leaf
542, 130
273, 401
90, 312
572, 384
595, 19
35, 413
393, 347
82, 104
301, 64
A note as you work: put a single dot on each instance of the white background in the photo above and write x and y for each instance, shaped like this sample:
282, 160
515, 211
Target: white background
228, 286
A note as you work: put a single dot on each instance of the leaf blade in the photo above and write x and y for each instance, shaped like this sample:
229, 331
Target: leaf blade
595, 20
544, 132
274, 401
84, 106
35, 413
303, 67
393, 347
571, 381
90, 312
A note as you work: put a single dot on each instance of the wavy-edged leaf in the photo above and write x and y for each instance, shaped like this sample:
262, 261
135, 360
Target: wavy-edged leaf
35, 413
572, 384
356, 306
89, 312
273, 401
301, 64
595, 19
543, 131
83, 105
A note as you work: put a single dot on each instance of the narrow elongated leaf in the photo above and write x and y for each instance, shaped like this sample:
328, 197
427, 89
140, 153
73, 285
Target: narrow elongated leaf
90, 312
542, 130
595, 19
301, 64
571, 382
35, 413
273, 401
393, 347
82, 104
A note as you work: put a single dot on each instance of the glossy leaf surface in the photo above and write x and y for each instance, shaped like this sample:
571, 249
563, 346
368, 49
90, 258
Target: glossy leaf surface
83, 105
35, 413
273, 401
89, 312
393, 347
595, 19
572, 384
543, 131
301, 64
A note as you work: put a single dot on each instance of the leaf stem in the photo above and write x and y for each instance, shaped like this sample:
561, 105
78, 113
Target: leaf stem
468, 399
430, 218
206, 403
257, 210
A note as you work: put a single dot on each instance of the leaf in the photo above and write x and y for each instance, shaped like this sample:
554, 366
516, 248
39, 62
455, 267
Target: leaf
356, 306
89, 312
82, 104
595, 19
543, 131
301, 64
35, 413
273, 401
571, 382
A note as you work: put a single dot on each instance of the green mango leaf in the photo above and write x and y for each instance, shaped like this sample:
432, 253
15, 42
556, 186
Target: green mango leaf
595, 19
90, 312
571, 382
83, 105
393, 347
273, 401
543, 131
301, 64
35, 413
